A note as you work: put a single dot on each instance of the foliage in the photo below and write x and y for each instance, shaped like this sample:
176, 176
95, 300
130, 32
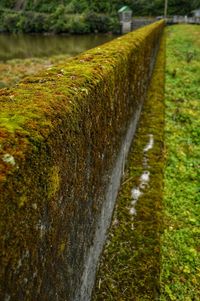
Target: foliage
44, 15
100, 22
58, 22
140, 7
28, 22
10, 22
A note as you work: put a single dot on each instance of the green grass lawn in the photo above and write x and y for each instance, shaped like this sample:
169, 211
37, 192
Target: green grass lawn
180, 242
153, 254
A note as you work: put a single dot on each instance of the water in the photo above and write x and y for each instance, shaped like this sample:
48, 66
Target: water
13, 46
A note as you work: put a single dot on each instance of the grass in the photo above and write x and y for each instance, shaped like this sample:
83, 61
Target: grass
155, 254
180, 265
15, 70
130, 266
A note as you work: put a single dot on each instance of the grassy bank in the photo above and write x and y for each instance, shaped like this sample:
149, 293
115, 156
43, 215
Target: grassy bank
15, 70
180, 241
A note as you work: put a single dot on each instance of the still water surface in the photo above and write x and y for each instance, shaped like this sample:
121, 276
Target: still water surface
26, 46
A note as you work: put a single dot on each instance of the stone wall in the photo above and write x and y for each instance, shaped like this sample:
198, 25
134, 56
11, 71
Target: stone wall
65, 134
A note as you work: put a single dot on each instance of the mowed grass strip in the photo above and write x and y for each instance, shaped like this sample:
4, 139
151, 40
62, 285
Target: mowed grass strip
180, 257
130, 265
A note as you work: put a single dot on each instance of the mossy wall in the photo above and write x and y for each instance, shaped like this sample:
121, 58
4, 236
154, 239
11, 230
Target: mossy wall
61, 133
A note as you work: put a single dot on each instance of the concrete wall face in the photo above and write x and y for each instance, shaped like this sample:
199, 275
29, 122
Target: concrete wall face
84, 291
65, 134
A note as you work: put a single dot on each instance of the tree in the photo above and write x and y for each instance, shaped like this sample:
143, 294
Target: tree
139, 7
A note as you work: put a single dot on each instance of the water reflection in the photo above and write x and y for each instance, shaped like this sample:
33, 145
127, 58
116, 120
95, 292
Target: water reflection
26, 46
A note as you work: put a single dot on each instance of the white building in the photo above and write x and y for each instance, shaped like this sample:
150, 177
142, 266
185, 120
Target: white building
196, 13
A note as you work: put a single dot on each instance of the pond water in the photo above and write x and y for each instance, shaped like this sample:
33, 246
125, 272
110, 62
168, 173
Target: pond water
22, 46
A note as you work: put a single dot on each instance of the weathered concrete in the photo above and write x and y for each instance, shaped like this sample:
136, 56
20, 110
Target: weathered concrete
104, 219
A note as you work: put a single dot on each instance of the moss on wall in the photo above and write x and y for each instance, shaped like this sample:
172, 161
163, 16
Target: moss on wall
61, 131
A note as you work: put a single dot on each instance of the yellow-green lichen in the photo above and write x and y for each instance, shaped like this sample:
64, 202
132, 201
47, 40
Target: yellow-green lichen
62, 247
53, 181
22, 201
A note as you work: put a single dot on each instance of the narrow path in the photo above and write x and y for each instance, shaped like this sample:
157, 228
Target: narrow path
130, 267
153, 249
